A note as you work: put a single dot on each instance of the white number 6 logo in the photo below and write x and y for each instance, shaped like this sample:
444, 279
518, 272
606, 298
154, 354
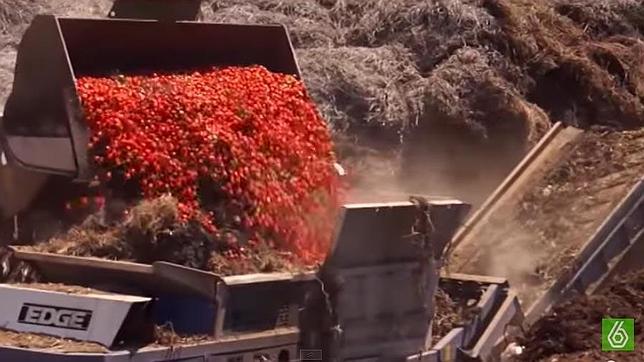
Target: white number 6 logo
617, 337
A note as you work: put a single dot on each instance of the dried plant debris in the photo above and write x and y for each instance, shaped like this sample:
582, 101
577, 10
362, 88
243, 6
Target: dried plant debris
308, 23
572, 330
48, 343
446, 317
361, 88
559, 53
536, 239
15, 271
151, 231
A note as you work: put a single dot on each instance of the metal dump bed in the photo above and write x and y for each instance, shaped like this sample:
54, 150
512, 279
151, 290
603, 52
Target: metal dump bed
52, 137
43, 132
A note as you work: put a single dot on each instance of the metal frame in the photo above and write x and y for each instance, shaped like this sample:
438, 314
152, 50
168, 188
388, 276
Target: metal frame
548, 150
51, 139
497, 308
620, 233
182, 292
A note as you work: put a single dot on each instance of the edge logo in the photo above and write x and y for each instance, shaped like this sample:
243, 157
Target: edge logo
57, 317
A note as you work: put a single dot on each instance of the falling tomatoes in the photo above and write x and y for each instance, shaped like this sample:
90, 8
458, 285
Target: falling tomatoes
254, 133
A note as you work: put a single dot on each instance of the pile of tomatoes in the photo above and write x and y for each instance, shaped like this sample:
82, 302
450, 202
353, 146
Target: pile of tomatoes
254, 135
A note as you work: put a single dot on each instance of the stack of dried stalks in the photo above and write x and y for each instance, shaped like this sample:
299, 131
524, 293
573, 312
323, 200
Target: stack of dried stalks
492, 66
151, 231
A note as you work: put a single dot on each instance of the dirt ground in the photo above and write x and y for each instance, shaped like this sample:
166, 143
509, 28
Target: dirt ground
534, 241
571, 332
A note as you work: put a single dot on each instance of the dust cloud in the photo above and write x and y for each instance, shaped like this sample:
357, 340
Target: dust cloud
375, 178
439, 173
469, 173
508, 250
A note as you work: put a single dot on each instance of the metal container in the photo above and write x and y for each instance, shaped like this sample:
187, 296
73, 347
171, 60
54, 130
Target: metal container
277, 345
379, 281
43, 128
43, 134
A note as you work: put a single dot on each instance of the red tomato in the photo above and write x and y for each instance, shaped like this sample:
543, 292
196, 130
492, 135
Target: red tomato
253, 133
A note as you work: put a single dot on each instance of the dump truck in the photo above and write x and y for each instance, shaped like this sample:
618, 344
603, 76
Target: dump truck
371, 300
